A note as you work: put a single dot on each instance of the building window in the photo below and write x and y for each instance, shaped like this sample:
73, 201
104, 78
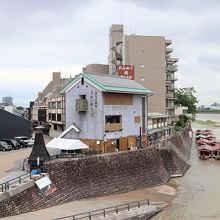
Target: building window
58, 117
113, 119
55, 126
142, 79
53, 117
49, 116
53, 104
58, 104
82, 81
82, 96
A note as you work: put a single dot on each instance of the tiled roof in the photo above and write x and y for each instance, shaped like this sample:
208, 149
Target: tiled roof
109, 83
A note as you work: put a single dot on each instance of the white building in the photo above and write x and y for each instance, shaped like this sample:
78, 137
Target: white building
107, 113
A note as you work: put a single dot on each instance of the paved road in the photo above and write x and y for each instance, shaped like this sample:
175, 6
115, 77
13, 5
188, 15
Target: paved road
12, 161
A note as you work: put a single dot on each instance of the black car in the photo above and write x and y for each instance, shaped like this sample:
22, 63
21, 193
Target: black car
15, 144
4, 146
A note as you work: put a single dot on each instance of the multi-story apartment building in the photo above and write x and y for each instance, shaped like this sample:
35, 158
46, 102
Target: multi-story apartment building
153, 66
107, 113
7, 100
56, 114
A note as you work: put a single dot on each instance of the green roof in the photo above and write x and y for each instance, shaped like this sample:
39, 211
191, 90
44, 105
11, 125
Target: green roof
109, 83
154, 130
153, 115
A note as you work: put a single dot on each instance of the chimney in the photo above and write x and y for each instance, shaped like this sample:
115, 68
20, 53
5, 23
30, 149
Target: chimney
56, 77
39, 96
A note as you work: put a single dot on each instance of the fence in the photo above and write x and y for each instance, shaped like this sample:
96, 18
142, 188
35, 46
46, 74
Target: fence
110, 210
8, 184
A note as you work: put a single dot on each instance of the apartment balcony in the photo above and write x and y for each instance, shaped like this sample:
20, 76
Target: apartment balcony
172, 60
170, 107
168, 82
171, 88
113, 127
175, 60
168, 42
171, 78
172, 68
81, 105
170, 97
169, 50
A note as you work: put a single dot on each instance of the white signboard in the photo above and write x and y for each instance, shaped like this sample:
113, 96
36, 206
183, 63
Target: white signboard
46, 186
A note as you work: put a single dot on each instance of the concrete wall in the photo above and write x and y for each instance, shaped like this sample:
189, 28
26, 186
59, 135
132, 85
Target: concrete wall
147, 54
127, 112
104, 174
97, 68
91, 122
13, 125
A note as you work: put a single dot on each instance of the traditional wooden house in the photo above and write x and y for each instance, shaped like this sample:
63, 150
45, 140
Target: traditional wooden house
108, 113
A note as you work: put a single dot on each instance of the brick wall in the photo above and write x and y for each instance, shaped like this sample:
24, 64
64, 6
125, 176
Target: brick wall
104, 174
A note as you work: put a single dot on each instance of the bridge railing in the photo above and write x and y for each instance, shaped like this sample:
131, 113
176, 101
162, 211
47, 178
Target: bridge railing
106, 211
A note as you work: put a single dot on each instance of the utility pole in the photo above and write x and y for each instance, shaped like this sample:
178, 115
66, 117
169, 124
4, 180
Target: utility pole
140, 145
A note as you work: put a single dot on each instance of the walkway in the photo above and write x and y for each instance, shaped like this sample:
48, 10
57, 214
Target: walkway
161, 193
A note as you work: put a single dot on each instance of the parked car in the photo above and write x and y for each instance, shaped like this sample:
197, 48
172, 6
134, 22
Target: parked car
15, 144
29, 142
23, 140
4, 146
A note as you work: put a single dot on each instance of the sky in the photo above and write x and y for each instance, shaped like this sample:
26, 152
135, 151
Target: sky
38, 37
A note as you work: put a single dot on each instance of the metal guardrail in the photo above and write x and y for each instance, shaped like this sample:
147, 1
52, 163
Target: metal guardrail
5, 186
106, 211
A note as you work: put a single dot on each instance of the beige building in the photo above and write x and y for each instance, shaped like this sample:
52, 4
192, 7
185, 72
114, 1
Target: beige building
153, 66
40, 109
56, 114
97, 68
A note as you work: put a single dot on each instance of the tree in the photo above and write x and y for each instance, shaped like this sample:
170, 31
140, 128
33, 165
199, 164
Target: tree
186, 97
20, 108
182, 122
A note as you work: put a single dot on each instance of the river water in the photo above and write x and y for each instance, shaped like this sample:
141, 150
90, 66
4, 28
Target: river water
198, 191
205, 117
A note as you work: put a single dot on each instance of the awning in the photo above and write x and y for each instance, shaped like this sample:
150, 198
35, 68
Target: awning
66, 144
155, 130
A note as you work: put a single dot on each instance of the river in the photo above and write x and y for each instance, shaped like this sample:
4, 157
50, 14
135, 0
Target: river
198, 191
205, 117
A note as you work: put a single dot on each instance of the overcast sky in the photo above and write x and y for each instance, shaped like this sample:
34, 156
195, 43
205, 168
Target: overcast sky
38, 37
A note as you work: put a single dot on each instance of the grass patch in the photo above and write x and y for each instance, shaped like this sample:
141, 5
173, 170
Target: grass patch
207, 123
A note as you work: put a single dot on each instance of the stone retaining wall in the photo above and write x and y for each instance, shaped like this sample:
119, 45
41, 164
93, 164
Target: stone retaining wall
104, 174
